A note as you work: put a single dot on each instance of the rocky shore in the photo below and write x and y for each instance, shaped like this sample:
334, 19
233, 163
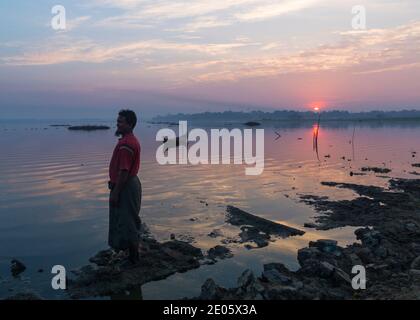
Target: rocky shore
389, 221
106, 275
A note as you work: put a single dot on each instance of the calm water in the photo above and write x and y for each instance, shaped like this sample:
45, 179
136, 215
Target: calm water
54, 199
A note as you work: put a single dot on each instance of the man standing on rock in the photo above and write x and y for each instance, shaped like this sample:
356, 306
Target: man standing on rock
126, 190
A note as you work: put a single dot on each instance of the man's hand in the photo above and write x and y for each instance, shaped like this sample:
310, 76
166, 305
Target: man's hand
115, 193
114, 199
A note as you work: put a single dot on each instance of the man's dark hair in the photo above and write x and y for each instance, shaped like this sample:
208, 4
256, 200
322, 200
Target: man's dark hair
130, 117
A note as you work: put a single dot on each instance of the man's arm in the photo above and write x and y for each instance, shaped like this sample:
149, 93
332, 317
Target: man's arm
115, 193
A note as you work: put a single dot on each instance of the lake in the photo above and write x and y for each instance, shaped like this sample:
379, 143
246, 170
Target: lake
54, 196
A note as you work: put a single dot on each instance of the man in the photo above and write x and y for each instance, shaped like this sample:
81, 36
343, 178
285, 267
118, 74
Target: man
126, 191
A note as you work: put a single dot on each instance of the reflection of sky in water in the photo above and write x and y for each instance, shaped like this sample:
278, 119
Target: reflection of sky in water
53, 195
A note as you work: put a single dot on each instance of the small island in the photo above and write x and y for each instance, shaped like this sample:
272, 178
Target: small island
88, 128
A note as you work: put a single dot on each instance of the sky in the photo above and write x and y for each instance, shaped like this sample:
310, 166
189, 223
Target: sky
170, 56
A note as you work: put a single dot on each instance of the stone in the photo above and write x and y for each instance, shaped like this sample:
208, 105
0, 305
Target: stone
310, 225
215, 233
219, 252
274, 276
416, 263
326, 245
415, 274
305, 254
368, 236
209, 290
381, 252
24, 296
412, 227
246, 279
336, 272
354, 258
17, 267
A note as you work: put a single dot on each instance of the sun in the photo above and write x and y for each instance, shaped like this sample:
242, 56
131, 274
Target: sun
317, 105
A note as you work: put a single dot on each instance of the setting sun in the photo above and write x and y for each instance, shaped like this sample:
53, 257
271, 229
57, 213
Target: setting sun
317, 105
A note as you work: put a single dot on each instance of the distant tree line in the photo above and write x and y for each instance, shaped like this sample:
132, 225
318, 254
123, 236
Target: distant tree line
334, 115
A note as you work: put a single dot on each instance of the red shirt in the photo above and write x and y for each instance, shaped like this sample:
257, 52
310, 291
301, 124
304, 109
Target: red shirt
126, 156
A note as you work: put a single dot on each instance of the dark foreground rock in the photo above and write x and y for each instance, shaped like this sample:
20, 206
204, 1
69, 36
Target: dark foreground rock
107, 275
256, 229
389, 250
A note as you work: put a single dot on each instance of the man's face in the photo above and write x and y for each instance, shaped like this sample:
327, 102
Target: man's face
122, 126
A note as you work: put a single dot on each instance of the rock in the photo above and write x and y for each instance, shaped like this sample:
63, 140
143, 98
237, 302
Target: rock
415, 247
186, 238
239, 217
310, 225
338, 274
412, 227
252, 124
306, 254
415, 274
219, 252
274, 276
211, 291
355, 260
368, 236
255, 235
416, 263
246, 279
207, 261
102, 257
88, 128
326, 245
215, 233
365, 254
381, 251
17, 267
376, 169
24, 296
161, 261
